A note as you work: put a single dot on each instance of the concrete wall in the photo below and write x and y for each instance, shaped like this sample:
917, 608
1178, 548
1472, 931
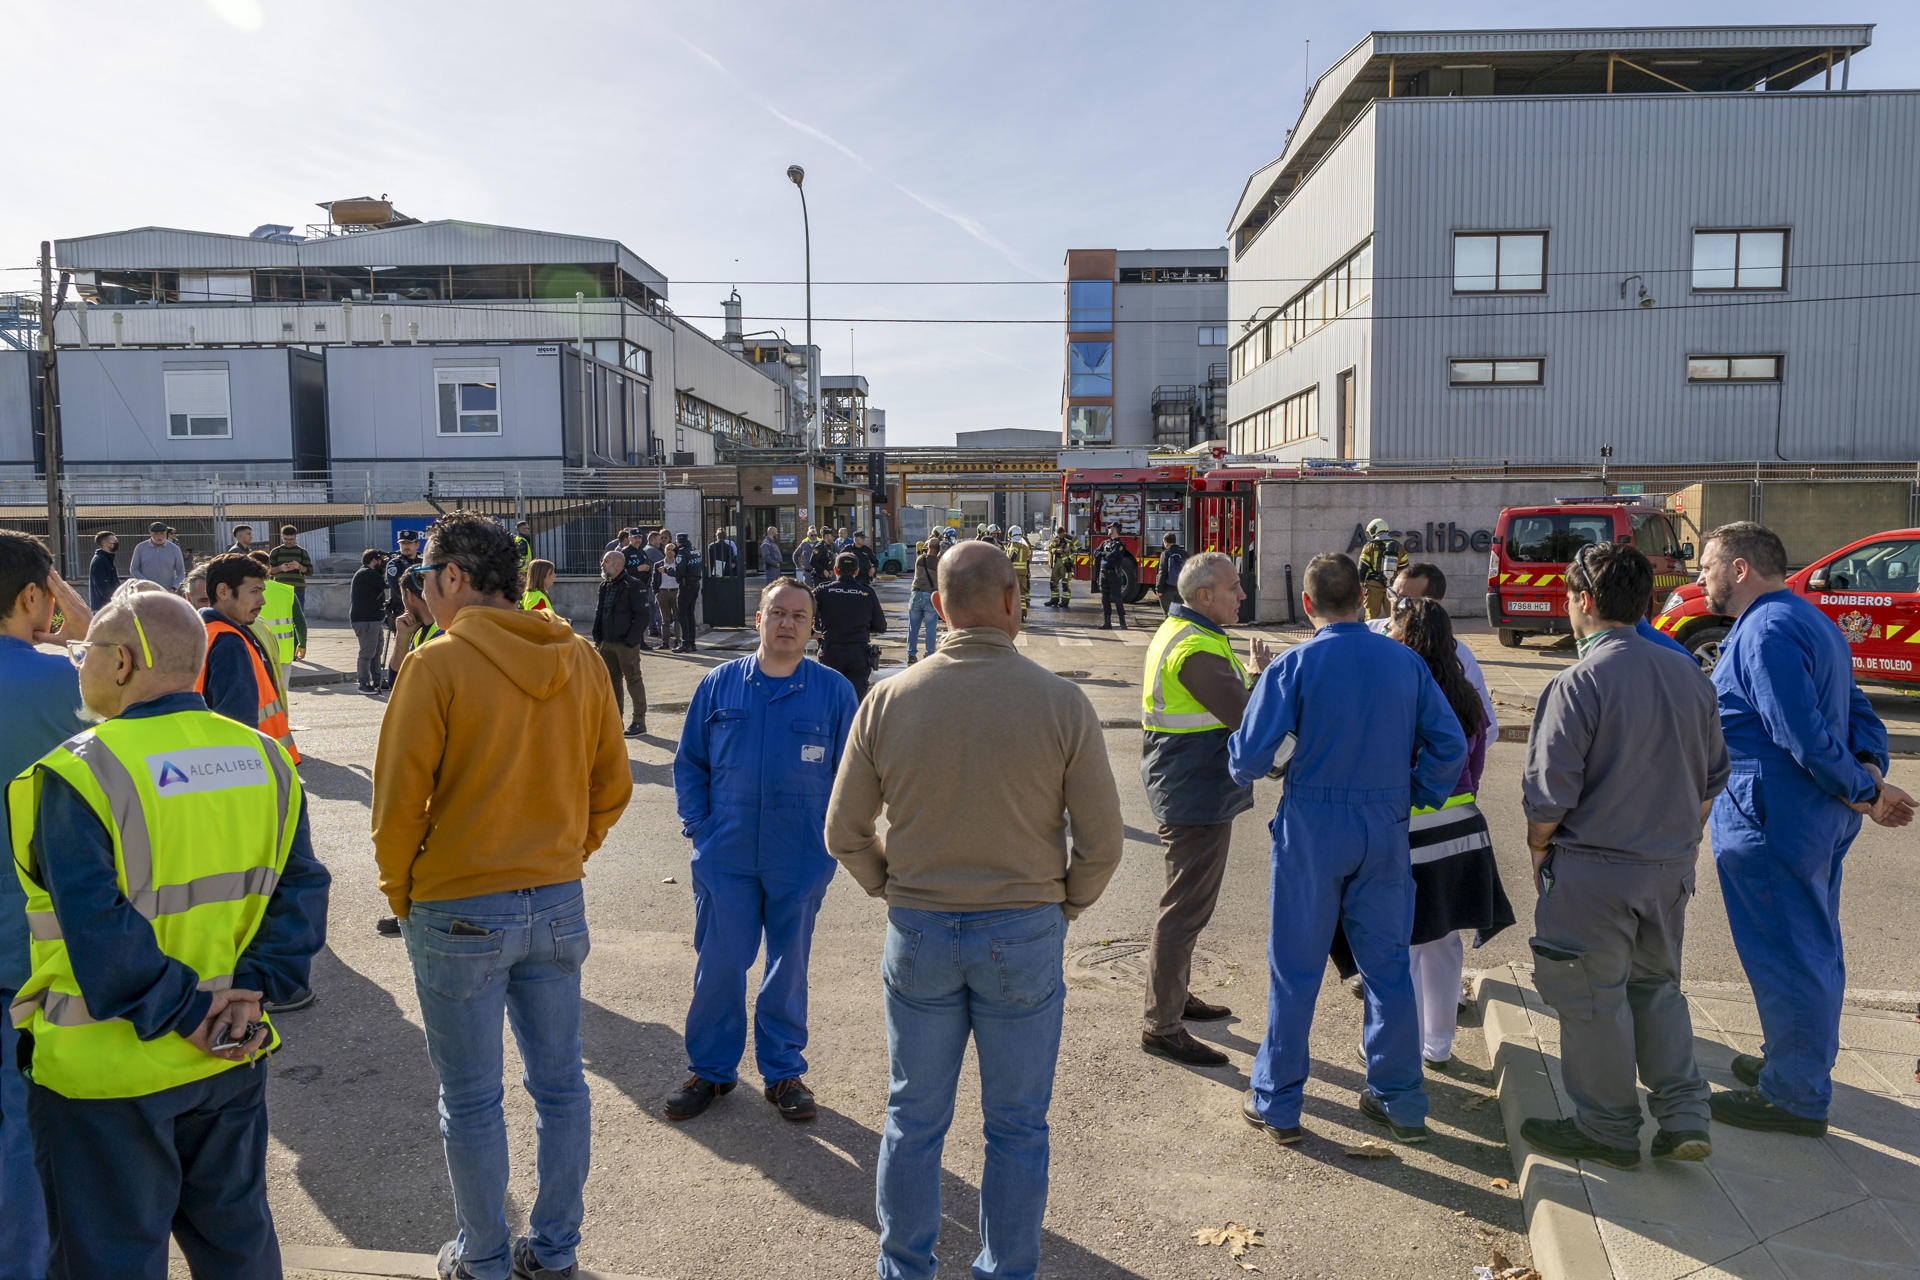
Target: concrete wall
1297, 520
16, 411
113, 409
1811, 517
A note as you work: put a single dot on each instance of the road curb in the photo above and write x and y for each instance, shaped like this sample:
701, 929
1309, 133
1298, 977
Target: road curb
1562, 1230
332, 1261
314, 679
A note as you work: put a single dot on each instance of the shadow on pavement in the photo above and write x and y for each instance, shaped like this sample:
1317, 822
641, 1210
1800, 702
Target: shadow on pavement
826, 1166
657, 774
331, 781
353, 1099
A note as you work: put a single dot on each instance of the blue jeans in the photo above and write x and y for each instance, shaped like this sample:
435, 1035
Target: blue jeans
23, 1212
517, 955
920, 613
996, 975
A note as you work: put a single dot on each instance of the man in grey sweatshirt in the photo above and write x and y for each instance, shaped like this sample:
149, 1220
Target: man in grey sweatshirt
158, 560
1624, 761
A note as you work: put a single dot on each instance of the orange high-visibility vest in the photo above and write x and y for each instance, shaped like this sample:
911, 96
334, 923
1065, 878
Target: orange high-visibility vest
273, 709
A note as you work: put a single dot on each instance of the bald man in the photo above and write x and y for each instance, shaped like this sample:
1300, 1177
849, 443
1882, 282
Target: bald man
980, 881
141, 1127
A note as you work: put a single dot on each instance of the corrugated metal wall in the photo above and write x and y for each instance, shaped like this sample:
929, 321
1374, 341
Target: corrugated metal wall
1155, 343
1620, 184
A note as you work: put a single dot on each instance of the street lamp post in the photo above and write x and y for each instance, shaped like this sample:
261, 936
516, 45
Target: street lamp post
798, 177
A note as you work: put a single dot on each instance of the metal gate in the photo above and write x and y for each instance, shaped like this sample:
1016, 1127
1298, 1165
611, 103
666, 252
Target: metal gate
723, 593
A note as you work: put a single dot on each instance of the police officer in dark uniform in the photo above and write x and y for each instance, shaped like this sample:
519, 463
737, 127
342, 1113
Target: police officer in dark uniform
846, 613
864, 554
1110, 564
409, 556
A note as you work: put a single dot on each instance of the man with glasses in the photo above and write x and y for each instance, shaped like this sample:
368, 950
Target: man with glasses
1623, 762
758, 750
42, 696
143, 1002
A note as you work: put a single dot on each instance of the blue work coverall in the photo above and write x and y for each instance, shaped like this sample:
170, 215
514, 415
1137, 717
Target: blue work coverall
1797, 730
751, 779
1364, 734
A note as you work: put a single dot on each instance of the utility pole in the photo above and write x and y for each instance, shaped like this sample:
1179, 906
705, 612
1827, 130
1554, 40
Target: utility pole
49, 416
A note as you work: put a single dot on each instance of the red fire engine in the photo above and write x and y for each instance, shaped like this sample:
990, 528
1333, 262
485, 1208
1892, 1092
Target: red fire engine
1205, 511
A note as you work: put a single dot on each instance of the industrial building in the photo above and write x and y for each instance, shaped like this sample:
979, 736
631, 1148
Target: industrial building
1659, 245
398, 347
1146, 348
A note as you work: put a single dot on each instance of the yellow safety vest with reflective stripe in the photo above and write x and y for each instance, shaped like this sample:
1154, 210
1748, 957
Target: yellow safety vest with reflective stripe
276, 615
201, 811
423, 634
1165, 704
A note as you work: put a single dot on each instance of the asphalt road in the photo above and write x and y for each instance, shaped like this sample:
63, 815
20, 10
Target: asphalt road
1145, 1152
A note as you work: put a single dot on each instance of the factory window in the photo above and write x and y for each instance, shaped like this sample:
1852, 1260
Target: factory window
1733, 368
1090, 368
469, 400
1213, 335
1089, 305
1740, 259
1089, 424
1499, 262
197, 404
1492, 373
1295, 418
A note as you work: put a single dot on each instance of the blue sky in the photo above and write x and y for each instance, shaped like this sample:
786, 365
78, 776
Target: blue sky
972, 142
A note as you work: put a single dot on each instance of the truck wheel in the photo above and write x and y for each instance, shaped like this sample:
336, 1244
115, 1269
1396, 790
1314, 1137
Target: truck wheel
891, 566
1509, 638
1135, 589
1704, 644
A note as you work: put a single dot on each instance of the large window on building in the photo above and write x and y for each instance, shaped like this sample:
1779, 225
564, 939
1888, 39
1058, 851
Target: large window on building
1499, 261
1089, 368
1740, 259
1347, 285
1496, 373
1089, 424
198, 406
1293, 419
1733, 368
1089, 305
469, 400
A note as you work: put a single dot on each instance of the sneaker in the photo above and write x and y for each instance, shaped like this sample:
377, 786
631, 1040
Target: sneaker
1747, 1068
638, 729
1370, 1108
528, 1267
448, 1267
792, 1099
387, 926
1198, 1010
1746, 1109
304, 998
1563, 1138
1682, 1144
1249, 1113
1357, 986
695, 1096
1182, 1047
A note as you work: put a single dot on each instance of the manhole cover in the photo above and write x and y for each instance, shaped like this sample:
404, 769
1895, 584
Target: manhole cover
1123, 961
1073, 675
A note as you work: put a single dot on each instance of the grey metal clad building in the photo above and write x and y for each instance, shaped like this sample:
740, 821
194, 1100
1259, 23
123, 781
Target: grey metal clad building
1531, 245
1146, 347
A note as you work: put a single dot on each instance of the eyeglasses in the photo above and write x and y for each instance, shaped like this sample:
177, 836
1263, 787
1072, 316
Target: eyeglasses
1579, 566
77, 649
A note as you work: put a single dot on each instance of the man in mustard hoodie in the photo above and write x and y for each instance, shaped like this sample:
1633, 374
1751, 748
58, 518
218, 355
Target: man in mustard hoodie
486, 879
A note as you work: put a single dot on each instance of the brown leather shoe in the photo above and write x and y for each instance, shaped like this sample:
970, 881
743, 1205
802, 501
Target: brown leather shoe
1199, 1010
1182, 1047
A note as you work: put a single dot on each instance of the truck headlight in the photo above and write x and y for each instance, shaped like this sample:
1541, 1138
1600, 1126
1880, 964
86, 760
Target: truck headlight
1673, 602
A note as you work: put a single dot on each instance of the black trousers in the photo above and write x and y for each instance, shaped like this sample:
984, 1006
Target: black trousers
1113, 598
121, 1174
689, 602
851, 661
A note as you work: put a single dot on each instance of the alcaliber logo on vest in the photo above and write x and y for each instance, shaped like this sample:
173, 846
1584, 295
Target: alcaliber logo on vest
198, 769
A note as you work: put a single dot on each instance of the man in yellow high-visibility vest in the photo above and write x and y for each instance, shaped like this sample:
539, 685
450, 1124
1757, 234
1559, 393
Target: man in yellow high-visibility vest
171, 888
1191, 698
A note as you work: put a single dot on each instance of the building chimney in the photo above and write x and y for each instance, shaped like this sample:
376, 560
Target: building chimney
732, 338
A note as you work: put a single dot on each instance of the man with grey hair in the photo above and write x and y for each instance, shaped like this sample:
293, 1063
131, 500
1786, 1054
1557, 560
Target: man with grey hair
980, 881
1191, 698
141, 1004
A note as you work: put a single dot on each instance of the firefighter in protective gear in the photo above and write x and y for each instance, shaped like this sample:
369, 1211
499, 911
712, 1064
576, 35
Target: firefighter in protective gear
1022, 557
145, 998
1060, 569
1381, 560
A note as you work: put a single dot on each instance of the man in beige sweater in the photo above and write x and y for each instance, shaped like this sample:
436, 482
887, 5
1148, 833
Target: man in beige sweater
980, 874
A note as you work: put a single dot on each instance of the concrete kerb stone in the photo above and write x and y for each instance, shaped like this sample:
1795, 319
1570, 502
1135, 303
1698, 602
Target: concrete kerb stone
1562, 1229
329, 1261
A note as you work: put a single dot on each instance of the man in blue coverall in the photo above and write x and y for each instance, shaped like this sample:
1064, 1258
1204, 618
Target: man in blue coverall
1806, 747
1363, 734
758, 752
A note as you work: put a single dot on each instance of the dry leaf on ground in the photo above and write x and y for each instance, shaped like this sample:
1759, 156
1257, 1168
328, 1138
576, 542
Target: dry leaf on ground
1500, 1184
1236, 1238
1477, 1103
1370, 1151
1499, 1263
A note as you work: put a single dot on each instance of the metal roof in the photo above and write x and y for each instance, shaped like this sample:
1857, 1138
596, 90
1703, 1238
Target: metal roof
447, 243
1547, 62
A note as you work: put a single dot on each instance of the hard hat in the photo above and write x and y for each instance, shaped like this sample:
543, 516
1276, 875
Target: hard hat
1015, 533
993, 528
1376, 527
